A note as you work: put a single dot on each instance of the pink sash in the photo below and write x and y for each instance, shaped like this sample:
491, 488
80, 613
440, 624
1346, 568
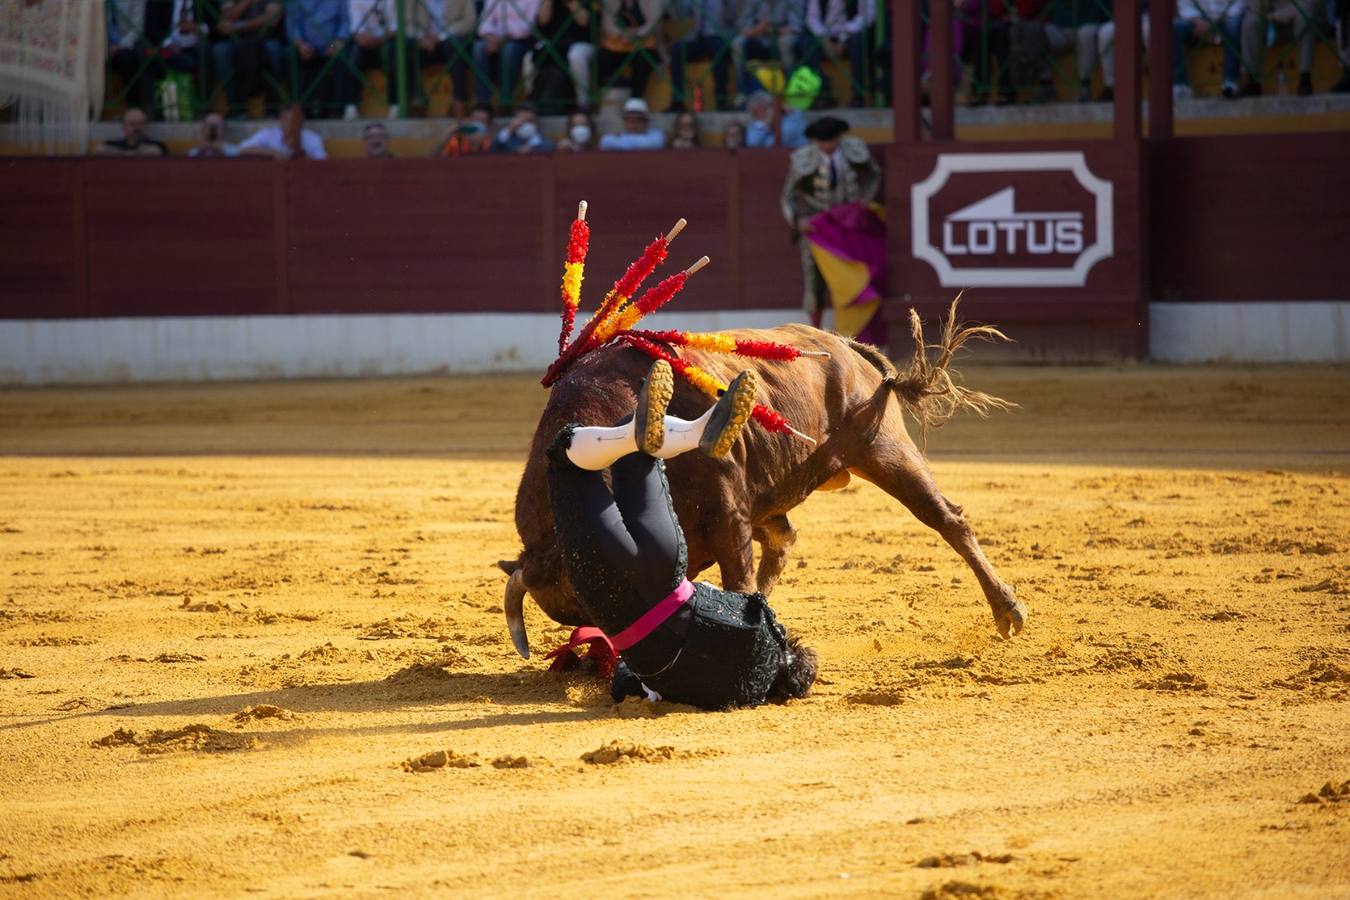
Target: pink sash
652, 618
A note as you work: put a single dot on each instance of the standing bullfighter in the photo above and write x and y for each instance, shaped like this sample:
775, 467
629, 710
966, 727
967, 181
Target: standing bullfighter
625, 553
830, 170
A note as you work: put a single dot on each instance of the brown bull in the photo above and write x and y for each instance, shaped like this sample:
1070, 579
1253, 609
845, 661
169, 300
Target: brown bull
852, 403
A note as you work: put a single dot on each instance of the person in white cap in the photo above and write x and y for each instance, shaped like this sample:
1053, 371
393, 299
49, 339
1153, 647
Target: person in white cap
638, 133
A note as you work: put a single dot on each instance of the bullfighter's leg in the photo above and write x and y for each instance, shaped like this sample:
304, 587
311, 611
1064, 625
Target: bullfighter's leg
776, 536
901, 471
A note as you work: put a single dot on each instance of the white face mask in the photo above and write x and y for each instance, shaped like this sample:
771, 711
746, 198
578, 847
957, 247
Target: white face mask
581, 134
527, 131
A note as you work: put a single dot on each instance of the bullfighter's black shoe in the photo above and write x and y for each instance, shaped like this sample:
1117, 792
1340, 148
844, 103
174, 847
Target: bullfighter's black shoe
729, 416
649, 417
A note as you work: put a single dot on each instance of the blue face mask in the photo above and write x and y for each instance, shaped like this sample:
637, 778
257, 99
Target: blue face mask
472, 129
527, 131
581, 134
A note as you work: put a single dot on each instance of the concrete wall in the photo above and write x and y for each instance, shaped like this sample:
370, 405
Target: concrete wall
206, 348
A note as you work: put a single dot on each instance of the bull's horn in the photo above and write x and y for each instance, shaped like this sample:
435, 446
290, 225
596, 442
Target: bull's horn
515, 613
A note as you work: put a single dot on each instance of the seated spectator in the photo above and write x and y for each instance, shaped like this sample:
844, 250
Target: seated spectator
764, 32
561, 60
445, 36
521, 134
580, 133
213, 143
470, 136
178, 50
733, 136
374, 44
1079, 25
505, 33
637, 133
1301, 19
1208, 22
684, 134
375, 141
760, 132
985, 29
129, 55
1032, 38
841, 29
134, 141
246, 40
317, 31
716, 24
1106, 40
288, 139
628, 30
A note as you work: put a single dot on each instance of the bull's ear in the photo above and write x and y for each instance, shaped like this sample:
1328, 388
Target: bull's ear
509, 566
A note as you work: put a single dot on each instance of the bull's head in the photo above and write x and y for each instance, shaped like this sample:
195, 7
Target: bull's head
557, 600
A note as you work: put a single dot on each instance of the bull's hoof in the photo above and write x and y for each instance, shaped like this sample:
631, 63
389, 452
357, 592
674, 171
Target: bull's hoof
1011, 617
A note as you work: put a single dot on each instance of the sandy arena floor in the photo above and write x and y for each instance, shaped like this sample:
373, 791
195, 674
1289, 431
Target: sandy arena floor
230, 613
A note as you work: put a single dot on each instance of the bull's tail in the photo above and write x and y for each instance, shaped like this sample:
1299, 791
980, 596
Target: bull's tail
929, 389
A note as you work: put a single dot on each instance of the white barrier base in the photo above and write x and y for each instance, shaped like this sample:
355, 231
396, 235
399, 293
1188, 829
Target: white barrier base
200, 348
104, 351
1285, 332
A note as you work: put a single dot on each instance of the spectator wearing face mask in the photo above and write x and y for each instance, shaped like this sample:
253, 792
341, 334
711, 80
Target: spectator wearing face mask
580, 134
521, 134
467, 137
213, 143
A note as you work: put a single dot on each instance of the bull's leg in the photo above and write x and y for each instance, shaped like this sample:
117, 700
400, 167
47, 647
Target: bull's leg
732, 545
901, 471
776, 537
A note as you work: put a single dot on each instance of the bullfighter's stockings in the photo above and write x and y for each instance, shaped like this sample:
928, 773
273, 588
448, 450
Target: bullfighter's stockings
657, 434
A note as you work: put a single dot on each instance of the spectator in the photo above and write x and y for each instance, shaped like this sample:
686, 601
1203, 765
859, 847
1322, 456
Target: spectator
179, 47
505, 33
128, 55
374, 44
134, 141
213, 143
1105, 49
1211, 22
565, 49
1302, 18
684, 134
1341, 16
840, 29
246, 42
985, 33
832, 170
317, 31
468, 137
1030, 39
764, 32
288, 139
445, 35
716, 24
733, 136
637, 133
375, 141
628, 39
521, 134
760, 132
580, 133
1079, 24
